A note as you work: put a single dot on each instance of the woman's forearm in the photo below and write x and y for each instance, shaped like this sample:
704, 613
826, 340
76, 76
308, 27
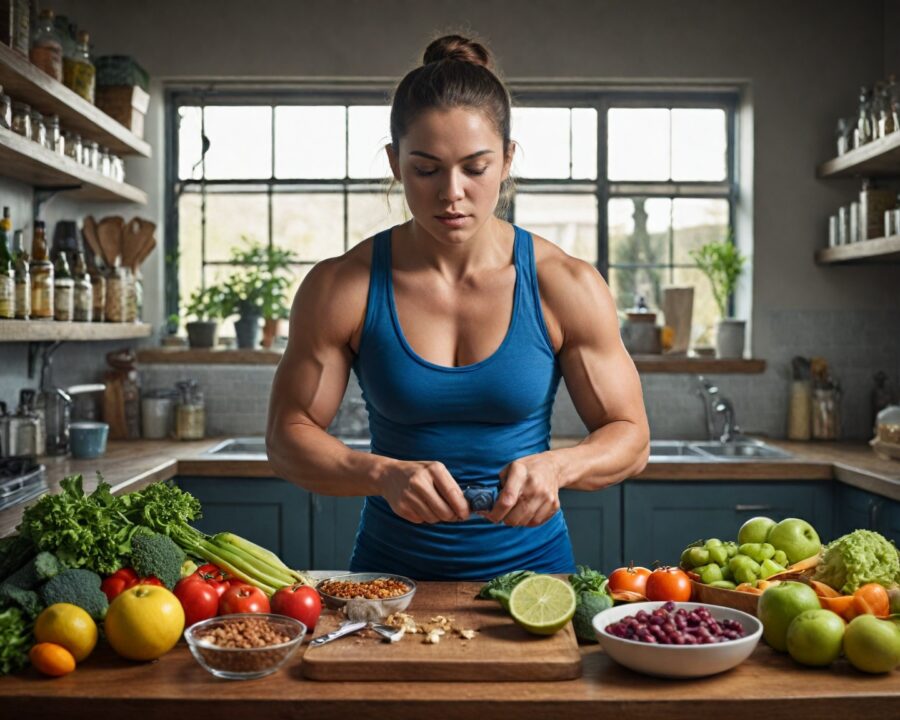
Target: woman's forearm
607, 456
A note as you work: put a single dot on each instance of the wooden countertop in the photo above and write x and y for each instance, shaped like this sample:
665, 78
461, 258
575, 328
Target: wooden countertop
767, 685
130, 466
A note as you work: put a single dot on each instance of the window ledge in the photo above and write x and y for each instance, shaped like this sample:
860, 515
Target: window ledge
644, 363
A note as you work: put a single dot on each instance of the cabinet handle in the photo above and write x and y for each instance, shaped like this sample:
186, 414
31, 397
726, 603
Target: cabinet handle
752, 508
874, 512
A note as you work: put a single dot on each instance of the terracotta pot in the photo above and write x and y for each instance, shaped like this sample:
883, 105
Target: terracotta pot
271, 328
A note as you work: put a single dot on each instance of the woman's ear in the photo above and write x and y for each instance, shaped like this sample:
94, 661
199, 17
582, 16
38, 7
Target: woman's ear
507, 161
394, 161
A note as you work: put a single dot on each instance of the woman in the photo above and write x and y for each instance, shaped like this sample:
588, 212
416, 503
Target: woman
458, 326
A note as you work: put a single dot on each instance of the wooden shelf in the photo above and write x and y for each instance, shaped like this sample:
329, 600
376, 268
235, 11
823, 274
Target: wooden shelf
50, 331
876, 250
879, 157
701, 365
25, 160
24, 82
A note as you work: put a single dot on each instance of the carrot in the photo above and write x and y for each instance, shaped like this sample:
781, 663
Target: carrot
748, 588
823, 590
842, 605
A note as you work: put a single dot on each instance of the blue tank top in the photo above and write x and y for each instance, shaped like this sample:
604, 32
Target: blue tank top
475, 419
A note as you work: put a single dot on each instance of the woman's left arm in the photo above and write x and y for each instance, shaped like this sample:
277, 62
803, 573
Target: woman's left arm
603, 382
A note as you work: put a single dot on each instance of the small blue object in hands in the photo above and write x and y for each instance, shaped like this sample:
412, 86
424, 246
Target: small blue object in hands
480, 499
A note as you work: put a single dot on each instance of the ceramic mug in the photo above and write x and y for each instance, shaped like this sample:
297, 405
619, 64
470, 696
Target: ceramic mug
88, 439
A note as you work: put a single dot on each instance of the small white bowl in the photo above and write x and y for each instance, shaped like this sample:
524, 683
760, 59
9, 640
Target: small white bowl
677, 661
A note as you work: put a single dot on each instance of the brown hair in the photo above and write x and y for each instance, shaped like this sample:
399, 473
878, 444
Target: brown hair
456, 72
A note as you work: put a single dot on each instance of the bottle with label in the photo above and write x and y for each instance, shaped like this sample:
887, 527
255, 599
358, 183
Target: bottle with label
41, 276
79, 72
46, 46
863, 132
7, 270
63, 290
84, 295
23, 277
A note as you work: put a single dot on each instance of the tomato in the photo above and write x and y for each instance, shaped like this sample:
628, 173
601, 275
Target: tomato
214, 577
144, 623
198, 598
243, 599
300, 602
119, 581
669, 583
629, 579
150, 580
870, 599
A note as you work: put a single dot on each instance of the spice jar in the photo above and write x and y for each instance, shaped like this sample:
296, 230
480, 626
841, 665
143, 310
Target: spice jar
190, 413
98, 295
21, 119
157, 416
72, 143
115, 295
90, 155
130, 294
5, 111
38, 129
41, 270
46, 46
84, 295
55, 140
7, 289
23, 277
105, 162
63, 291
79, 72
826, 413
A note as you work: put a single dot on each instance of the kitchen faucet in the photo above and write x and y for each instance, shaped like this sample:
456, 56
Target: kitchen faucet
730, 430
709, 394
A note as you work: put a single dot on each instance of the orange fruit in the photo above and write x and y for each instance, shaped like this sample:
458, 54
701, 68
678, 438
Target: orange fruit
51, 659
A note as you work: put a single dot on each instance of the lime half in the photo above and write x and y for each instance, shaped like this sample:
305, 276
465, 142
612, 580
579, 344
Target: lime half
542, 604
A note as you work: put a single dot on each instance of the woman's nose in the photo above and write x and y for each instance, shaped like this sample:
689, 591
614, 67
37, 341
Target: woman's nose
452, 188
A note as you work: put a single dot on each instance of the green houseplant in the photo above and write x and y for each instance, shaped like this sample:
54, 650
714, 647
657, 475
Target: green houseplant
722, 263
207, 305
258, 290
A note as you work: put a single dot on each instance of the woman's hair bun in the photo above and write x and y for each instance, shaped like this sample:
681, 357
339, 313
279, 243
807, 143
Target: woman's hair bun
456, 47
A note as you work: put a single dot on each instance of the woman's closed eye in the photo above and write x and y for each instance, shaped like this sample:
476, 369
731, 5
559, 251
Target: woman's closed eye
425, 172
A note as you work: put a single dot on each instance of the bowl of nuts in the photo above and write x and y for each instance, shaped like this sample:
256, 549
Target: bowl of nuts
375, 595
246, 645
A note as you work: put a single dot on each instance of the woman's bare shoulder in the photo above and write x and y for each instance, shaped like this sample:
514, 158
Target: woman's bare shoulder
557, 270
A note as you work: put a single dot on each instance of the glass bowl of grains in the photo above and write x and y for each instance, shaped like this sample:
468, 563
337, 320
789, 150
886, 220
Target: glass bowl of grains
383, 592
245, 645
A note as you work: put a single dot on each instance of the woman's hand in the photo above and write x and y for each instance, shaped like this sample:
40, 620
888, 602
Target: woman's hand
423, 492
530, 491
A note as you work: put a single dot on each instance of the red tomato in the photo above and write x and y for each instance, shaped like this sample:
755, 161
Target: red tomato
629, 579
213, 577
198, 599
150, 580
300, 602
118, 582
243, 599
669, 583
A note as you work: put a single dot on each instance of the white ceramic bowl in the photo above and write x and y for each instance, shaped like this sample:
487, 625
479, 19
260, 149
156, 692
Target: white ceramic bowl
677, 661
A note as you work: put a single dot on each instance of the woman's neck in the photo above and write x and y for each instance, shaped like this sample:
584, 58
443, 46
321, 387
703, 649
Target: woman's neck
489, 248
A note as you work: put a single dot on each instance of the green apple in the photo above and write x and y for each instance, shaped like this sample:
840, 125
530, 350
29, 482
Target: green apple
712, 542
744, 569
872, 645
768, 568
814, 637
755, 530
797, 538
731, 547
780, 557
718, 554
779, 605
698, 556
709, 573
758, 551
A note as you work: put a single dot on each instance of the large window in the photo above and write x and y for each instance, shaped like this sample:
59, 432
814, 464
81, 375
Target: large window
631, 183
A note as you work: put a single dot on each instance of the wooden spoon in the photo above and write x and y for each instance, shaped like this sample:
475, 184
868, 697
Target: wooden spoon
110, 233
89, 231
131, 242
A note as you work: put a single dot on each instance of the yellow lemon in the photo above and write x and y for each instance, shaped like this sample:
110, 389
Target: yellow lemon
67, 625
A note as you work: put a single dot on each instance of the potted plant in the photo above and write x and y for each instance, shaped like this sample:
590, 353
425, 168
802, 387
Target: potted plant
259, 291
208, 307
723, 263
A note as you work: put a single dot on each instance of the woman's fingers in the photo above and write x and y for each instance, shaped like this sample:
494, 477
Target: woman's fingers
450, 494
512, 477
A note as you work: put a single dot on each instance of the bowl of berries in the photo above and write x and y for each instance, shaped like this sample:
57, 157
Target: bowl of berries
677, 639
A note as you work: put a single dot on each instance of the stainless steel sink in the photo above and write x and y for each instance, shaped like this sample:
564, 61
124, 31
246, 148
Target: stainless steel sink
254, 448
713, 451
669, 449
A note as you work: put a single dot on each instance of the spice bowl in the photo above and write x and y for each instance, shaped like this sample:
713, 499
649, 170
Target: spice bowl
382, 607
229, 646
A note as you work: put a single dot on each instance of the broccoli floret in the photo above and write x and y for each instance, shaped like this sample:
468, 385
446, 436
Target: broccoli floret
77, 586
159, 556
26, 600
41, 567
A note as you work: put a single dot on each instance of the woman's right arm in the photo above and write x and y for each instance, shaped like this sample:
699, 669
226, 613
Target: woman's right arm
309, 384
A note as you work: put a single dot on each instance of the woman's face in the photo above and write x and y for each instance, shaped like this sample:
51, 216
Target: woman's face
451, 165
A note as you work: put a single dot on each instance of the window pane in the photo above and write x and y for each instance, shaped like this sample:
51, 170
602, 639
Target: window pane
568, 220
189, 261
696, 221
698, 144
542, 139
705, 313
627, 284
370, 131
370, 213
231, 216
190, 142
310, 142
240, 142
638, 144
310, 224
584, 143
639, 231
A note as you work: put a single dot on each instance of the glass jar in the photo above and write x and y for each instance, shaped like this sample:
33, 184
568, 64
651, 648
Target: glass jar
46, 46
41, 271
887, 425
115, 295
72, 143
157, 414
84, 300
5, 111
7, 292
130, 295
55, 141
38, 129
98, 295
826, 413
21, 119
79, 72
105, 162
117, 168
63, 291
90, 155
190, 413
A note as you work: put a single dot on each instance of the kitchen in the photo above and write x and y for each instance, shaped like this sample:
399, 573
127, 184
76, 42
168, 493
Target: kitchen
772, 71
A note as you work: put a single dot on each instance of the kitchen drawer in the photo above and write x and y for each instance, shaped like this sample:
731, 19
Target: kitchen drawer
595, 526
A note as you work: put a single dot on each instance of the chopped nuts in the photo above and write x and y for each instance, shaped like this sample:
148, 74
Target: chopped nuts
249, 633
433, 630
372, 590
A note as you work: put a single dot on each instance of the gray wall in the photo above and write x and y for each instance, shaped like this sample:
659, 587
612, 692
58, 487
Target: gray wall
801, 63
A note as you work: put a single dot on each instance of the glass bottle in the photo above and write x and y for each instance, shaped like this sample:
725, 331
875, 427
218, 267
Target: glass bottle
863, 131
98, 294
42, 303
83, 300
90, 155
892, 102
72, 142
46, 46
63, 290
7, 271
79, 72
21, 119
115, 294
55, 141
5, 110
38, 129
23, 277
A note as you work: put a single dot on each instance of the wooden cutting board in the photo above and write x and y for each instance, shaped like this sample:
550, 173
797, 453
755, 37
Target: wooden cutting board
501, 651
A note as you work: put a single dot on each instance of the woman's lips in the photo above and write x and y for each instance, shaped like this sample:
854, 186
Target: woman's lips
456, 221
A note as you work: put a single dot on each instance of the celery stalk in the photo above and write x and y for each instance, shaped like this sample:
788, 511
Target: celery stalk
265, 555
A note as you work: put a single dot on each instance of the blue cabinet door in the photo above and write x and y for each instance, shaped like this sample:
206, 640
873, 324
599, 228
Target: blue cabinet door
335, 520
662, 518
268, 511
888, 520
857, 509
595, 526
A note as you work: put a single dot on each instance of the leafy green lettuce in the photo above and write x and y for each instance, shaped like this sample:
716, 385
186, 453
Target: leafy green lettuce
857, 558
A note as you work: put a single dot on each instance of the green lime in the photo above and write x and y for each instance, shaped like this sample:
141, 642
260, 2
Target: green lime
542, 604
